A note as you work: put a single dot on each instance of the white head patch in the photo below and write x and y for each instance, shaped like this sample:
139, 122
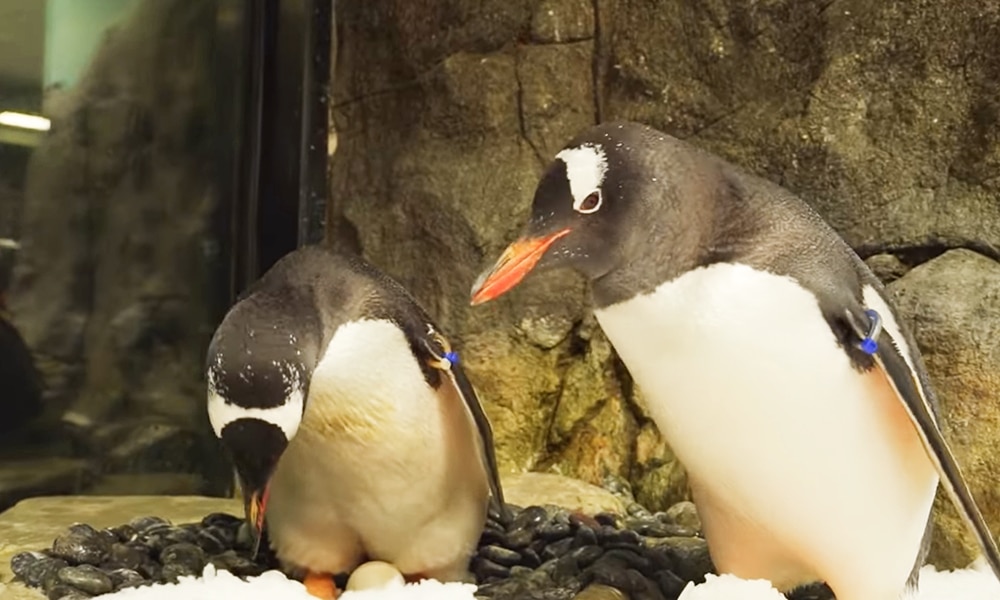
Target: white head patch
286, 416
586, 166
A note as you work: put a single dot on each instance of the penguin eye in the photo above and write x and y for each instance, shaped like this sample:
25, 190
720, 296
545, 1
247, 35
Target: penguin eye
589, 204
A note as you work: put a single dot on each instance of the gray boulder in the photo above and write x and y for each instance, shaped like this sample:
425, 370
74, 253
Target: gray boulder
952, 304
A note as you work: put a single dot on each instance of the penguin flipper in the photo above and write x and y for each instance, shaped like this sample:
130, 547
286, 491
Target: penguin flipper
456, 375
471, 399
916, 399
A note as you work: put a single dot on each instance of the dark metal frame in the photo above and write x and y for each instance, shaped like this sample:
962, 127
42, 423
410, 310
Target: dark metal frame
273, 60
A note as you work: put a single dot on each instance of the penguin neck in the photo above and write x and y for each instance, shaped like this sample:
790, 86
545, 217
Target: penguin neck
676, 234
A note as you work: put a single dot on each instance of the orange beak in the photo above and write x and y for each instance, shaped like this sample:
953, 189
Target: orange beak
255, 515
513, 265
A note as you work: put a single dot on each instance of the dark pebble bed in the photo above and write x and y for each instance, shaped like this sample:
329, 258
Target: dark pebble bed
539, 553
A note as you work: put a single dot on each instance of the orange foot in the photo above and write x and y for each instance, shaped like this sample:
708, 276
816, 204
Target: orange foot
321, 586
414, 577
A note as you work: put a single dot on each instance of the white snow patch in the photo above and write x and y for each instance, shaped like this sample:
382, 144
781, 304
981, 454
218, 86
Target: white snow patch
974, 583
273, 585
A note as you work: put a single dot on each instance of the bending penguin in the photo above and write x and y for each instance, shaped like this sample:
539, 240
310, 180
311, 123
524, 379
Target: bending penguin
353, 430
768, 355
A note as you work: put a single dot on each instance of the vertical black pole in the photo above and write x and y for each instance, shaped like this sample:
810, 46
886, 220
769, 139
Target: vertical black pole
239, 57
279, 172
313, 169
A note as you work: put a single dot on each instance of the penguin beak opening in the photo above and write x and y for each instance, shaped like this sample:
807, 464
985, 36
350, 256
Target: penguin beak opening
513, 265
255, 506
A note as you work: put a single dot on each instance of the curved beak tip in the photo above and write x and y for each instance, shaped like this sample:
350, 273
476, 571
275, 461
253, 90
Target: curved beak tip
517, 260
256, 506
475, 294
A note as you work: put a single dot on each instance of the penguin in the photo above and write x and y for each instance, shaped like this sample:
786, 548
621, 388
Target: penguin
769, 355
353, 430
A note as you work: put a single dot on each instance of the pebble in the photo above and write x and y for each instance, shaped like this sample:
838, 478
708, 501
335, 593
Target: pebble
143, 524
126, 556
534, 553
586, 555
238, 564
182, 559
610, 519
557, 548
125, 578
500, 555
599, 591
689, 554
125, 533
554, 531
486, 569
65, 592
43, 572
684, 514
584, 536
82, 544
20, 562
86, 578
214, 541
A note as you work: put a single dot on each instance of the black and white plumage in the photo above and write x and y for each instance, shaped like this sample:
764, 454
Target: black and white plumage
353, 430
739, 312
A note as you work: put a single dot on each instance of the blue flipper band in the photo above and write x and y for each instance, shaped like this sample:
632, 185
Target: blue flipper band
869, 345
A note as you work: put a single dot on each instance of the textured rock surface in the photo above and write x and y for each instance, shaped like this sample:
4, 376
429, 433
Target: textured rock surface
883, 115
525, 489
890, 130
953, 303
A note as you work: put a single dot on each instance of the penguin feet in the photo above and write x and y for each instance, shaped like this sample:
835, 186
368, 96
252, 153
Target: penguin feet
415, 577
321, 585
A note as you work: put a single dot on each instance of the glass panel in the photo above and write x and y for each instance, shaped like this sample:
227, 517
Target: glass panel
117, 121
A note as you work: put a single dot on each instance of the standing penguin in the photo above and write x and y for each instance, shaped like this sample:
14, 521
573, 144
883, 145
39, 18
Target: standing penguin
352, 428
768, 355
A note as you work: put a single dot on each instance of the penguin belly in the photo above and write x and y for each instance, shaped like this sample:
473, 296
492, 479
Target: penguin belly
383, 467
802, 467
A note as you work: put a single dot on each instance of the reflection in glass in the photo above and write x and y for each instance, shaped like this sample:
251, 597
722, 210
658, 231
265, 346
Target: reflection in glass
112, 253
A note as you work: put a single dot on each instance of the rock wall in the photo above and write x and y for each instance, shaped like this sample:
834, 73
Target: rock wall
953, 305
882, 115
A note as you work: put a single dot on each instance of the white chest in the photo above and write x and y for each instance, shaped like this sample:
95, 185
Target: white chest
379, 458
740, 372
367, 386
721, 338
789, 448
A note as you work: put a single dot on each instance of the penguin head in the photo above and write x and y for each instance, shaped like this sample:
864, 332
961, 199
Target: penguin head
590, 203
257, 385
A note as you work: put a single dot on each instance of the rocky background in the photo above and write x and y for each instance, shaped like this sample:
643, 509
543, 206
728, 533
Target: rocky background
885, 116
117, 286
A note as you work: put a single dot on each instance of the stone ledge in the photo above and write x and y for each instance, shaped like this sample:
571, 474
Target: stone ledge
34, 523
525, 489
